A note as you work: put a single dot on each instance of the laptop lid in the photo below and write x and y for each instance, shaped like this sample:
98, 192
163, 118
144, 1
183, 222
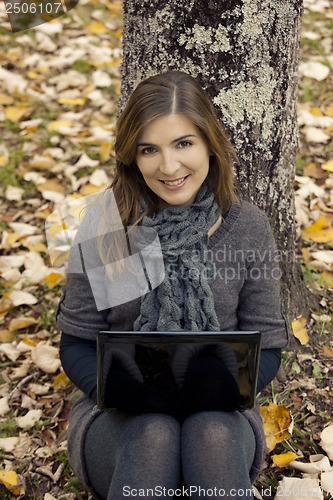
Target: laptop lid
245, 346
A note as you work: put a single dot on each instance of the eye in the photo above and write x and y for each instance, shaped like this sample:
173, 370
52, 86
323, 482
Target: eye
148, 151
184, 144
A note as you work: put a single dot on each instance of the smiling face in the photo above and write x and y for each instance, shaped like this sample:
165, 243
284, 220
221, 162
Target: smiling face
173, 159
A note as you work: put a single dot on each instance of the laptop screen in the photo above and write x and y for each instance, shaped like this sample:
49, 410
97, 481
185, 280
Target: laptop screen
156, 351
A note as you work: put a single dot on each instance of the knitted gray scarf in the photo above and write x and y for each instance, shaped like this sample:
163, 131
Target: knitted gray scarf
184, 300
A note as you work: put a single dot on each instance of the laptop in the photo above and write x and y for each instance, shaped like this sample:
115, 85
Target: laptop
243, 347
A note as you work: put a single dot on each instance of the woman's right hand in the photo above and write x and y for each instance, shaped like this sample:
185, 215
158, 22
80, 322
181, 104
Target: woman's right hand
128, 394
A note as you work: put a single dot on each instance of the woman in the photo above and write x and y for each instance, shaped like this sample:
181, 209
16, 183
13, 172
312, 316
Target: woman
174, 174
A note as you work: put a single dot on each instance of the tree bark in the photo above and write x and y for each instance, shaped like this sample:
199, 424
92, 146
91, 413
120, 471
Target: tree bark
245, 55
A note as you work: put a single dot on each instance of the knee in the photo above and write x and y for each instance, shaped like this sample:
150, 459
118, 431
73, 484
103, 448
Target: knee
157, 429
213, 428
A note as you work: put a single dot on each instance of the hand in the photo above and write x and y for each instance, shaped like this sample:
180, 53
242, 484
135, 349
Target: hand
209, 386
128, 394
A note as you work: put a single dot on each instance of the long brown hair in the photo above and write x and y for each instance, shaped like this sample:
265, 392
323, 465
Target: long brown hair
171, 92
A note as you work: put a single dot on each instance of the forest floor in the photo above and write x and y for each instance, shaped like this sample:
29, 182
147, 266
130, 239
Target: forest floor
59, 88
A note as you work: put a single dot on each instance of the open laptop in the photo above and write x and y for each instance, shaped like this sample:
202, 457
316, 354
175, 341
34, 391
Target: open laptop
243, 347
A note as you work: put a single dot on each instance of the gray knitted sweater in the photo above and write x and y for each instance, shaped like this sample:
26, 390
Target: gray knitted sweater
246, 292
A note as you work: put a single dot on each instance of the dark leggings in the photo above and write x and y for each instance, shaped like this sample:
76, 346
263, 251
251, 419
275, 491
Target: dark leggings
152, 455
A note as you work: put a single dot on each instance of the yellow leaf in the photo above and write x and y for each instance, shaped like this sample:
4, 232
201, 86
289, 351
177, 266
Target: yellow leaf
104, 151
277, 423
52, 279
329, 111
51, 185
328, 278
114, 7
20, 323
76, 102
9, 479
3, 160
10, 238
6, 335
316, 112
58, 257
6, 99
55, 125
15, 113
32, 341
33, 75
90, 189
38, 247
314, 170
56, 229
61, 381
319, 231
328, 166
97, 28
299, 330
5, 305
284, 459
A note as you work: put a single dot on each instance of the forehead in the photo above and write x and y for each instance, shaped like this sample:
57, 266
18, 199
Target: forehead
171, 125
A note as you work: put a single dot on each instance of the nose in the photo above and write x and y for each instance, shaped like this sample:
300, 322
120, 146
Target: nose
169, 163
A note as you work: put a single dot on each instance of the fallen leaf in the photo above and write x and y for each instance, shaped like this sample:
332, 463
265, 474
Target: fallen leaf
86, 161
293, 488
9, 479
284, 459
6, 336
23, 229
10, 351
19, 298
79, 101
21, 322
52, 185
314, 134
318, 464
326, 442
5, 305
99, 178
326, 481
15, 113
315, 70
299, 330
97, 28
320, 231
4, 408
58, 124
61, 381
278, 424
14, 193
29, 420
6, 99
53, 279
90, 189
104, 151
8, 444
326, 351
46, 358
328, 166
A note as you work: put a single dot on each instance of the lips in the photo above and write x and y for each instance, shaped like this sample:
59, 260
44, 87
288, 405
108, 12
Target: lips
175, 182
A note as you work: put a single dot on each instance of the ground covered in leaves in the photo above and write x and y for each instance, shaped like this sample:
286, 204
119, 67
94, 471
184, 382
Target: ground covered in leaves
59, 88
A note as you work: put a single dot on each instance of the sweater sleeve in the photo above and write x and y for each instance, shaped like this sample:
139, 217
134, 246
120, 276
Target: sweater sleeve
270, 360
259, 305
78, 358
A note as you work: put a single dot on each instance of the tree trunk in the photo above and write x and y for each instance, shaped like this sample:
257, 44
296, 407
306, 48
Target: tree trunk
245, 54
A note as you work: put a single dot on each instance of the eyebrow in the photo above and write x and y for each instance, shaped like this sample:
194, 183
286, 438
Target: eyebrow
175, 140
